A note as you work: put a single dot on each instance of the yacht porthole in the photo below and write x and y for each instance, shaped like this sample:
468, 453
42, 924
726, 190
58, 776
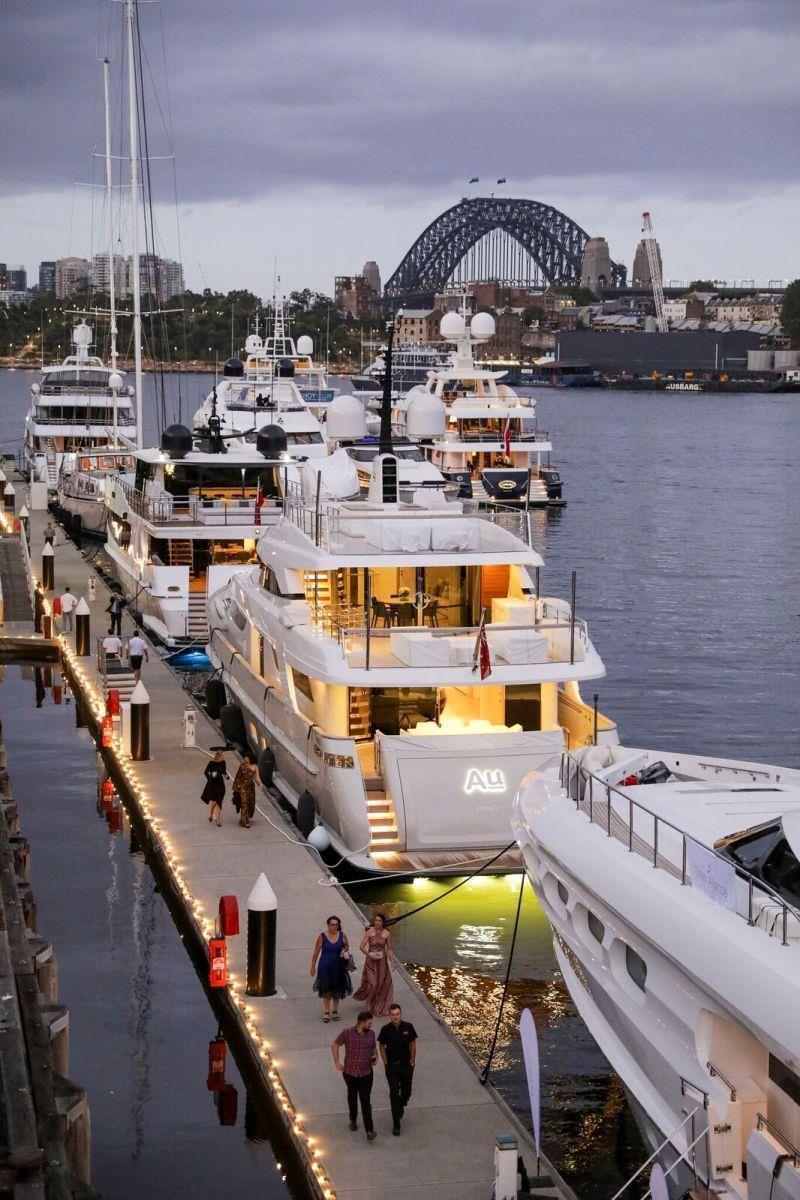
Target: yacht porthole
636, 967
563, 893
556, 894
596, 926
629, 969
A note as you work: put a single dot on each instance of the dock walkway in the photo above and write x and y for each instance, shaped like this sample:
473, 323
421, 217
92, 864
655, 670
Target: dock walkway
447, 1146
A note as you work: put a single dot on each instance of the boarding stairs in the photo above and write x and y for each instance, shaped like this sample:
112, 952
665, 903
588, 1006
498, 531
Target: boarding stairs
51, 463
381, 813
117, 675
537, 493
180, 553
197, 620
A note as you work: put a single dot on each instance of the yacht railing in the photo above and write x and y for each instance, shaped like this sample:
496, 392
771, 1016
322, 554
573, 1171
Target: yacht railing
581, 786
322, 522
107, 420
793, 1152
196, 510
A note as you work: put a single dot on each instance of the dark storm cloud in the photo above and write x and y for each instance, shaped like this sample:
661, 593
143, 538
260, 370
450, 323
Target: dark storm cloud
691, 96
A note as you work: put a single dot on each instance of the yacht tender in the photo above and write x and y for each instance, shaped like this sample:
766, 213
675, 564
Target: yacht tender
675, 908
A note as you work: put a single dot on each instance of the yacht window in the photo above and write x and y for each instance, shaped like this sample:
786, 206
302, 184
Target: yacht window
563, 894
311, 437
636, 966
269, 582
524, 705
767, 855
302, 684
784, 1078
239, 618
596, 926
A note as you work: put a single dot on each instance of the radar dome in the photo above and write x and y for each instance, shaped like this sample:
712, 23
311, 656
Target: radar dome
452, 326
253, 344
425, 416
115, 381
234, 368
345, 418
82, 335
305, 344
285, 368
35, 388
271, 441
482, 326
176, 441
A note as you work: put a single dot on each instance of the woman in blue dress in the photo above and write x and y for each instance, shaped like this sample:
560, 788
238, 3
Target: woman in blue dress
332, 980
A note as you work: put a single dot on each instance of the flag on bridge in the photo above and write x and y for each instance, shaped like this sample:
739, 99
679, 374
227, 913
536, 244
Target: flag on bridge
501, 181
474, 179
481, 658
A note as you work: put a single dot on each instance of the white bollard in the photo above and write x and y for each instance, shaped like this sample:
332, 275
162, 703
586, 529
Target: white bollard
189, 728
125, 726
505, 1167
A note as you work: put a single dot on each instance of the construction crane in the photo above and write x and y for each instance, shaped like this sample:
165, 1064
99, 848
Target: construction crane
655, 272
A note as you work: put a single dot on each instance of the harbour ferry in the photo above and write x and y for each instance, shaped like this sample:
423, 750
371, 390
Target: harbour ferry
672, 884
79, 405
397, 668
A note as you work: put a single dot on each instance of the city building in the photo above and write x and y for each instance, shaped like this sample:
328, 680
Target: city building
47, 277
159, 278
684, 309
745, 308
101, 276
372, 275
418, 326
10, 296
640, 276
13, 279
596, 265
354, 295
72, 274
171, 279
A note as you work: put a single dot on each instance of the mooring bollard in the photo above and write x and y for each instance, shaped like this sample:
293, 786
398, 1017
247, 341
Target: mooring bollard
83, 633
140, 723
47, 625
9, 497
25, 516
262, 926
48, 567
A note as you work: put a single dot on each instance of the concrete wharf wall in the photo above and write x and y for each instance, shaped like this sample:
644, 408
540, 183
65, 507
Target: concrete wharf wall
449, 1132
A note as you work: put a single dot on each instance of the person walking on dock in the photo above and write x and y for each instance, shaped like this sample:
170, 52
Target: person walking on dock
376, 987
244, 785
115, 607
49, 533
359, 1058
397, 1041
68, 605
332, 980
213, 793
137, 650
112, 646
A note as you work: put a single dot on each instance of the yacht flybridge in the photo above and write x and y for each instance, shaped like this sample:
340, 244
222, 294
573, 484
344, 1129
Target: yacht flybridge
186, 518
676, 916
80, 404
492, 443
350, 649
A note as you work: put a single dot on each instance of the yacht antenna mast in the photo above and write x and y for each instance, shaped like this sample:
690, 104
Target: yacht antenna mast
133, 112
385, 441
112, 294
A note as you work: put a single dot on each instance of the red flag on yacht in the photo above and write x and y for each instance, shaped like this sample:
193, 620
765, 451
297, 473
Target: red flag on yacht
259, 502
481, 658
507, 438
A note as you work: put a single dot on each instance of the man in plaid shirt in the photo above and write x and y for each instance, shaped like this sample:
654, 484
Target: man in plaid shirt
360, 1055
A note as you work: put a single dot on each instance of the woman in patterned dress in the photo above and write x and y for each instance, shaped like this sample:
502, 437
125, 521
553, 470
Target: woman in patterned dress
376, 989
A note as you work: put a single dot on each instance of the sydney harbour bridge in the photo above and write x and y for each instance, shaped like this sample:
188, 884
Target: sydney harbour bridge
521, 243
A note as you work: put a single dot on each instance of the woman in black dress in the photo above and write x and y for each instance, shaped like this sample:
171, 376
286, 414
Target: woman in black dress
213, 794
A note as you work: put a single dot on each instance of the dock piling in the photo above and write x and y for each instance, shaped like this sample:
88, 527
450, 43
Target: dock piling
48, 567
83, 633
262, 926
140, 723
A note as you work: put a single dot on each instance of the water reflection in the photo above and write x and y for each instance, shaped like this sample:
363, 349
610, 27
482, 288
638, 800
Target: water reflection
457, 951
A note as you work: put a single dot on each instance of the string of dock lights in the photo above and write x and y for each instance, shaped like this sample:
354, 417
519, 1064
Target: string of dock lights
205, 924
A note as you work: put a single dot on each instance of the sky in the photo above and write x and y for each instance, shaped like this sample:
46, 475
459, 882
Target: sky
313, 136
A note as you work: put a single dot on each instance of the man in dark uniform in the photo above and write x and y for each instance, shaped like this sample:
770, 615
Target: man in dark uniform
398, 1046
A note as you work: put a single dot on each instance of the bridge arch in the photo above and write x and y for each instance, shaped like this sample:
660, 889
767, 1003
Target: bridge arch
553, 240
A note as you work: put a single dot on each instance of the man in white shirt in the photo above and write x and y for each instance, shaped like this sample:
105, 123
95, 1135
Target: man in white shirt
137, 650
112, 646
68, 605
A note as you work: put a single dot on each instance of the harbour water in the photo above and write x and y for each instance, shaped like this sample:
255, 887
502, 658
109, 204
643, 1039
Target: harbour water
681, 538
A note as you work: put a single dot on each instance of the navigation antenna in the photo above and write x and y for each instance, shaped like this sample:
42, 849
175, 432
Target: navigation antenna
655, 272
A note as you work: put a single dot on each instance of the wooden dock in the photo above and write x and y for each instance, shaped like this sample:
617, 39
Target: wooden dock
447, 1145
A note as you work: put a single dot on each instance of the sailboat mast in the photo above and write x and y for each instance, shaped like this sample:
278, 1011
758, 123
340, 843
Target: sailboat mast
112, 293
133, 113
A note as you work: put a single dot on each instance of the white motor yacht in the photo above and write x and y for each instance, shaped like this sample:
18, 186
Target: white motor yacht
80, 404
82, 490
492, 444
413, 363
350, 650
672, 883
186, 518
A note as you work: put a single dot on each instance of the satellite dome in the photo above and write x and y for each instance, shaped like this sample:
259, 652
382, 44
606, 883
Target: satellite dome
305, 345
176, 441
425, 416
115, 381
285, 368
452, 326
35, 388
345, 418
271, 441
234, 368
482, 326
253, 344
82, 335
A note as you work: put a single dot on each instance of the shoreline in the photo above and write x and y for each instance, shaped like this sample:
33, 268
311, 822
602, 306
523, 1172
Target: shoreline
192, 367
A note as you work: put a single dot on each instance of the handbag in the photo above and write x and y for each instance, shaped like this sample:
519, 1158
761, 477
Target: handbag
236, 797
351, 963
